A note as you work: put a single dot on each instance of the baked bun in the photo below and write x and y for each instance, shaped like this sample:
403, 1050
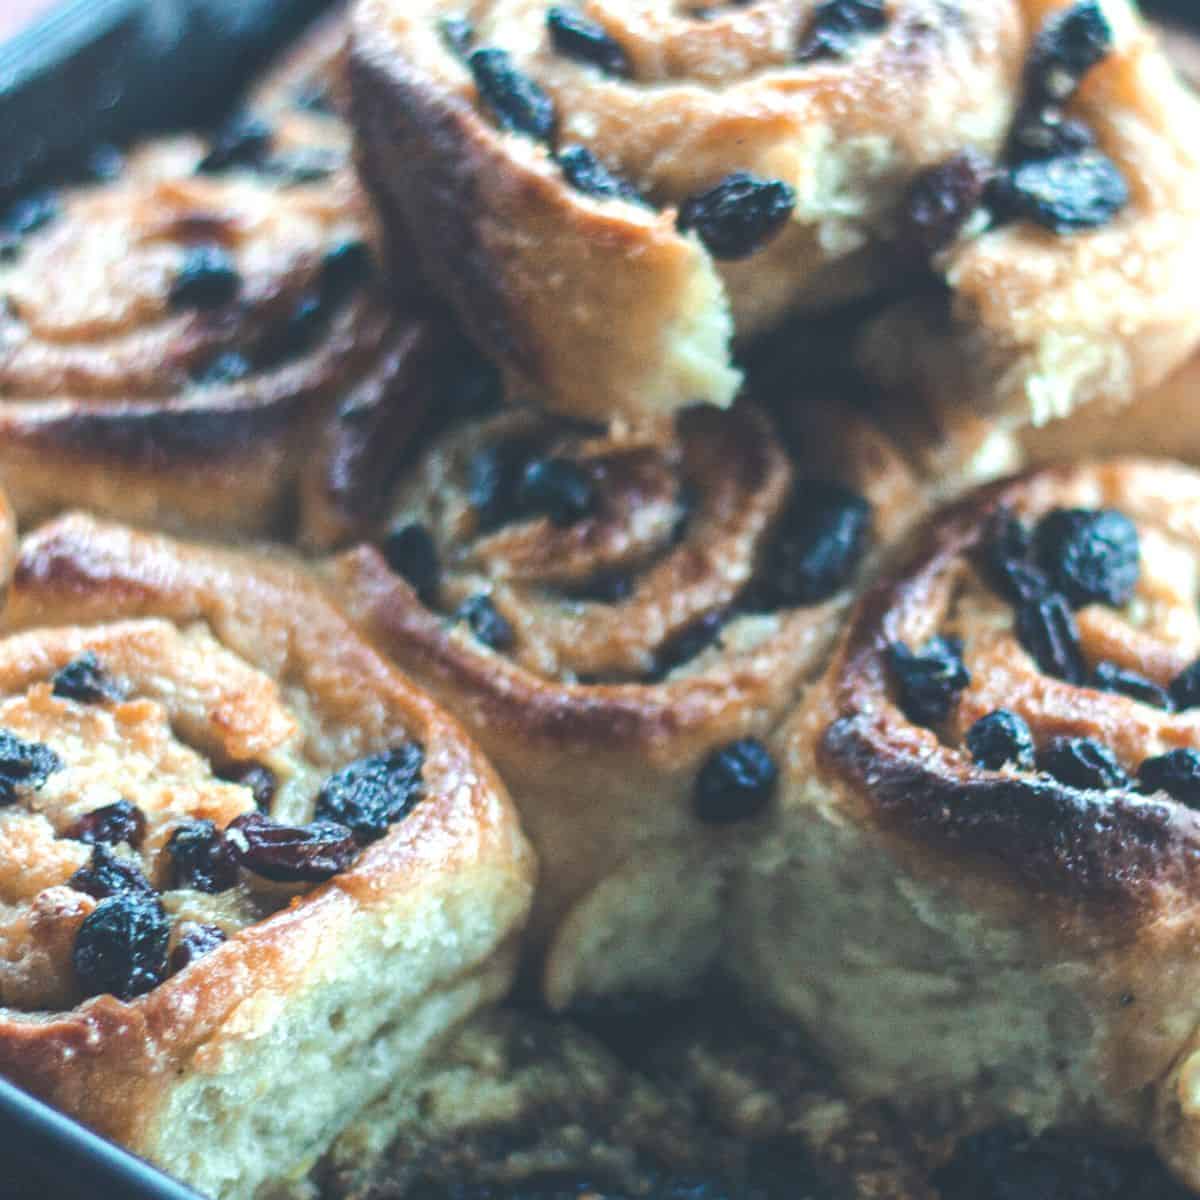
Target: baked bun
251, 876
203, 342
977, 889
620, 622
1070, 265
609, 192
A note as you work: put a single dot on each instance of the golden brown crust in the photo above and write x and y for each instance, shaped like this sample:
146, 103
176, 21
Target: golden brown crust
979, 903
1036, 324
323, 698
600, 307
595, 714
219, 415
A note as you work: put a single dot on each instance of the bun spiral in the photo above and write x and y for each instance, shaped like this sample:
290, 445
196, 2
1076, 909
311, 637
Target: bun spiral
608, 192
620, 623
203, 343
977, 890
237, 847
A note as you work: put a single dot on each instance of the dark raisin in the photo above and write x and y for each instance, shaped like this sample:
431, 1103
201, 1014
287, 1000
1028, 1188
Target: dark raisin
259, 779
1177, 773
1082, 763
608, 587
291, 854
121, 821
194, 941
738, 216
557, 488
1070, 43
346, 268
822, 539
207, 279
108, 875
1050, 134
487, 623
244, 140
24, 764
459, 34
834, 26
689, 643
1046, 628
369, 795
518, 104
735, 783
466, 385
1185, 687
1008, 543
31, 213
587, 174
412, 553
201, 859
929, 681
941, 201
574, 36
1064, 194
494, 478
121, 947
227, 367
1091, 555
1108, 677
1002, 738
86, 681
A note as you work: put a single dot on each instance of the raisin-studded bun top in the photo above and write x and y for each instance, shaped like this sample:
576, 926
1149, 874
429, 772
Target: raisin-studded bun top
610, 191
203, 342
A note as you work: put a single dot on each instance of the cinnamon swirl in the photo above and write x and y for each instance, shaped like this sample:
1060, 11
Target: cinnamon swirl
621, 623
251, 876
976, 890
203, 343
608, 191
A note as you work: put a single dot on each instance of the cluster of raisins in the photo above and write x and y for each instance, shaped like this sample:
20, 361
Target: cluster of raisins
1052, 173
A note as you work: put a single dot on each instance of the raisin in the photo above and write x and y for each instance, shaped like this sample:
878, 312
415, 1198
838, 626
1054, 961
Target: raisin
1177, 773
1082, 763
487, 623
207, 279
1185, 687
291, 854
607, 587
1046, 628
574, 36
941, 201
108, 875
1002, 738
1008, 544
259, 779
121, 947
735, 783
929, 681
228, 367
24, 764
1050, 134
1070, 43
411, 552
834, 26
518, 104
1091, 555
587, 174
194, 941
200, 858
459, 35
30, 213
1108, 677
244, 140
823, 536
369, 795
557, 488
494, 478
121, 821
738, 216
689, 643
85, 680
467, 385
345, 269
1064, 194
